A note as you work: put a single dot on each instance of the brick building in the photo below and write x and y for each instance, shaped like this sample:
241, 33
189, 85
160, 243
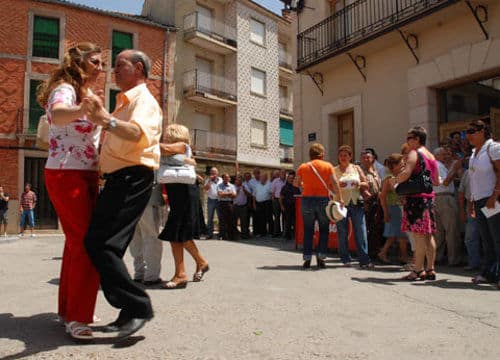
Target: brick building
33, 38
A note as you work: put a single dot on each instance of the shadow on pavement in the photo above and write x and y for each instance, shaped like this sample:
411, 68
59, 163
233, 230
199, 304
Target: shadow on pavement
54, 281
43, 332
443, 283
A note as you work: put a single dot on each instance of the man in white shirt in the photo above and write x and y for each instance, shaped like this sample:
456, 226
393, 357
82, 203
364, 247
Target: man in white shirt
252, 182
276, 185
226, 192
263, 207
446, 211
484, 176
212, 199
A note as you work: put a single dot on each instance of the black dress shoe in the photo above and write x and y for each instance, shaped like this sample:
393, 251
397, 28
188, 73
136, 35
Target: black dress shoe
153, 282
321, 263
306, 264
115, 325
130, 327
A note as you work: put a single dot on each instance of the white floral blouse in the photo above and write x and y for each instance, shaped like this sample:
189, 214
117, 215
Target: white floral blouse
74, 145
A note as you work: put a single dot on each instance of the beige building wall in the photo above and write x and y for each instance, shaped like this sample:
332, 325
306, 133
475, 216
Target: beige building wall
398, 93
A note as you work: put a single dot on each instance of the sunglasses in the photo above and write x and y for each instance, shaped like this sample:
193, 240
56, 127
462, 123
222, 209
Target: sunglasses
472, 131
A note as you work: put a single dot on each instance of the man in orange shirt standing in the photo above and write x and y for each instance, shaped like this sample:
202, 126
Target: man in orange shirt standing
129, 155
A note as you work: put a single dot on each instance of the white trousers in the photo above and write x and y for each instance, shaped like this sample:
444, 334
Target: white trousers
145, 247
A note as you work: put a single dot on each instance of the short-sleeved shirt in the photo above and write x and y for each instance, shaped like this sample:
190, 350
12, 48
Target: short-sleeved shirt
74, 145
288, 194
443, 174
262, 192
137, 106
241, 197
481, 172
311, 185
276, 186
28, 200
226, 189
212, 190
4, 205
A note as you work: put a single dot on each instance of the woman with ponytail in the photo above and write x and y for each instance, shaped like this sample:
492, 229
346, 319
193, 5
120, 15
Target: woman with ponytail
71, 178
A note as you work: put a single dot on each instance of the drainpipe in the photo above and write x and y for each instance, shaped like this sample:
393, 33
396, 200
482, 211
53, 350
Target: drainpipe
164, 85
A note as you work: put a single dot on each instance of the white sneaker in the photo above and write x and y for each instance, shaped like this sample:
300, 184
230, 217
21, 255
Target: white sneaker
32, 235
21, 235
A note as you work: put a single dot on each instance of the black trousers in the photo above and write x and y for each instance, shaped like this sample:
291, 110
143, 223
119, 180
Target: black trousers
277, 217
241, 213
264, 217
227, 225
289, 221
118, 209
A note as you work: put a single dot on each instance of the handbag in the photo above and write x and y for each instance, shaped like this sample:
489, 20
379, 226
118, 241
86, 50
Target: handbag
42, 133
332, 209
417, 183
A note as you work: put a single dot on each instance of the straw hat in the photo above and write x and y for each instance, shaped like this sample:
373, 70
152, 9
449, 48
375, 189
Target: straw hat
333, 211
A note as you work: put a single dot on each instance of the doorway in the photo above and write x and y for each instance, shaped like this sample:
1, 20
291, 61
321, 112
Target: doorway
345, 130
45, 214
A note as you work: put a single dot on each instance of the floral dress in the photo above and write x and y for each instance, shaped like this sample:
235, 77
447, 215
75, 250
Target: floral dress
74, 145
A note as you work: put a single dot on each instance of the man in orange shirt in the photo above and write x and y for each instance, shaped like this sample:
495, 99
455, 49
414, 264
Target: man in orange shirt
129, 155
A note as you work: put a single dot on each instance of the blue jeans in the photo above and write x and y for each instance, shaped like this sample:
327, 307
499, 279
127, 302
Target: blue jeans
313, 208
489, 230
472, 242
29, 217
357, 215
212, 207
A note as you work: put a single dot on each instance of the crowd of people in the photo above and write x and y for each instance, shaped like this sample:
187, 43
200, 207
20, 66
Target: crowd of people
123, 149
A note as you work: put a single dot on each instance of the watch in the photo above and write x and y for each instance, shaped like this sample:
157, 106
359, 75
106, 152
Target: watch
111, 124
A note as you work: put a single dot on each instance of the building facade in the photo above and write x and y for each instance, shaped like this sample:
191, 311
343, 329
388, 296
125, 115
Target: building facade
33, 38
233, 81
368, 70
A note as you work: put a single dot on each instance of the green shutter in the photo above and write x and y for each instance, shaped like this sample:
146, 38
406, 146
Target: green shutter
121, 41
46, 37
112, 99
286, 132
35, 110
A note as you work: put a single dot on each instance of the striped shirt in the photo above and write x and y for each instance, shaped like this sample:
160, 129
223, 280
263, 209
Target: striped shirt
28, 200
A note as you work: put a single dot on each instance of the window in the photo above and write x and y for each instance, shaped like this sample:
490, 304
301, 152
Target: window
45, 37
286, 132
112, 99
121, 41
204, 19
35, 110
258, 133
257, 32
258, 83
203, 74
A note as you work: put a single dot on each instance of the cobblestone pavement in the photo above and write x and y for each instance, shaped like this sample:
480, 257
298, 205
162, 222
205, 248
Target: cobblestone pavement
257, 303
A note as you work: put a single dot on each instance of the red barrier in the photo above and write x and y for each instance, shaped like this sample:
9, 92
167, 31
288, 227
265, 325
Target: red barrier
333, 242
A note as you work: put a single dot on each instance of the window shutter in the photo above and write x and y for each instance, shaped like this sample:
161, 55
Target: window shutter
121, 41
286, 132
46, 37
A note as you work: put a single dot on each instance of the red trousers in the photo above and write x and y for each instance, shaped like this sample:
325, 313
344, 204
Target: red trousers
73, 194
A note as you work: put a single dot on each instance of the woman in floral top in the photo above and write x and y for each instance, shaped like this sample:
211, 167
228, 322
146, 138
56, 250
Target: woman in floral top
71, 178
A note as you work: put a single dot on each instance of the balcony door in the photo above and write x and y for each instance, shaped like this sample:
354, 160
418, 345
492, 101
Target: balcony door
204, 74
205, 22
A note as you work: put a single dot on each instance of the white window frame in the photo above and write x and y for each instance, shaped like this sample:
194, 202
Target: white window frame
255, 37
62, 34
252, 90
254, 122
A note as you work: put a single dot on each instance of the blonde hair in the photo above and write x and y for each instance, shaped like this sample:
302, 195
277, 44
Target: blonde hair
393, 160
316, 151
345, 148
71, 71
177, 133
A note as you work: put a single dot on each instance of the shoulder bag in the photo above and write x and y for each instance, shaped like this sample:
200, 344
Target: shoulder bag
419, 183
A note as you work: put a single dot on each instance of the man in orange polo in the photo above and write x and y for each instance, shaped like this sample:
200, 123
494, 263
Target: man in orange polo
129, 155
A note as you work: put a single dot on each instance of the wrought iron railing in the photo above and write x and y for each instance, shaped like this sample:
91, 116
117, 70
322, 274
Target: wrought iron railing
206, 142
358, 22
211, 27
286, 106
286, 154
207, 83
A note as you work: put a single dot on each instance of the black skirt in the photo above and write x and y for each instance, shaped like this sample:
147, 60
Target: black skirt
179, 226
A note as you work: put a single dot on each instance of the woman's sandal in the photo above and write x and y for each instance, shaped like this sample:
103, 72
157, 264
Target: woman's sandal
199, 274
430, 274
415, 275
171, 285
78, 330
383, 258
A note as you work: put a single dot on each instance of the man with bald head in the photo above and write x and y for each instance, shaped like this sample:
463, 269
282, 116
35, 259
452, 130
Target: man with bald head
130, 154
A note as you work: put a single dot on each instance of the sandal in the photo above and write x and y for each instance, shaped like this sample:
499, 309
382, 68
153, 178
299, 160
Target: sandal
414, 275
171, 285
430, 274
383, 258
199, 274
78, 330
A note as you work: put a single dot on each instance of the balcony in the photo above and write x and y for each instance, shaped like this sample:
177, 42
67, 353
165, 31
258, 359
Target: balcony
362, 21
286, 110
285, 62
286, 154
209, 89
209, 33
211, 145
